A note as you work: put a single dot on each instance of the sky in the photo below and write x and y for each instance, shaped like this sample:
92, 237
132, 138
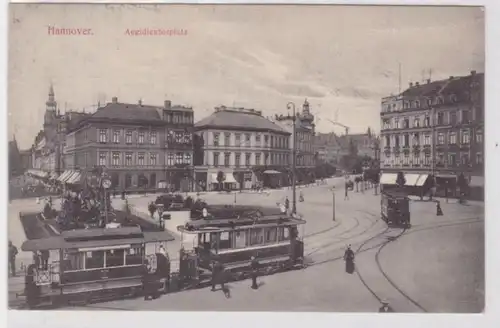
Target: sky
343, 59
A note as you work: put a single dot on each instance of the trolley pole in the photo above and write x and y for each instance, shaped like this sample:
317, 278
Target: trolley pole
291, 105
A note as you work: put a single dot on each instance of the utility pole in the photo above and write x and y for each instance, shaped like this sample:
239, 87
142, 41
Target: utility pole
433, 140
291, 105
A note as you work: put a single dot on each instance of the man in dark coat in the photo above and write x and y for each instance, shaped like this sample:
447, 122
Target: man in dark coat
287, 204
12, 258
439, 211
45, 259
349, 260
255, 271
217, 275
152, 209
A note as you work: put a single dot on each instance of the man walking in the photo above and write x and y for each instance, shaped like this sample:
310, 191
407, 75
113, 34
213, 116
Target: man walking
12, 258
287, 204
255, 271
217, 275
346, 197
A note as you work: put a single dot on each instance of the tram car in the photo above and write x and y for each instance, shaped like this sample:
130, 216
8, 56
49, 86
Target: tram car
268, 234
395, 208
90, 265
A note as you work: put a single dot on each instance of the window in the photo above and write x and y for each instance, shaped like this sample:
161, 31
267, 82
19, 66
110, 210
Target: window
271, 235
128, 137
406, 123
479, 158
257, 138
115, 257
94, 260
440, 118
266, 141
256, 236
227, 139
465, 159
417, 104
128, 159
170, 159
427, 121
283, 234
429, 101
452, 159
187, 138
237, 159
187, 158
216, 139
103, 135
257, 159
465, 137
247, 159
102, 159
465, 117
227, 157
479, 136
216, 159
153, 137
396, 124
453, 138
116, 136
266, 158
441, 139
178, 158
416, 122
140, 159
272, 141
427, 139
179, 137
140, 139
440, 159
237, 140
453, 98
152, 159
453, 118
116, 158
406, 140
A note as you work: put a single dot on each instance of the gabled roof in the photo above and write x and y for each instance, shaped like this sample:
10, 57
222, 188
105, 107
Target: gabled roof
427, 90
452, 85
130, 112
236, 120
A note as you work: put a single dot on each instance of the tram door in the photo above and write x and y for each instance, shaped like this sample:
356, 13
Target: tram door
239, 239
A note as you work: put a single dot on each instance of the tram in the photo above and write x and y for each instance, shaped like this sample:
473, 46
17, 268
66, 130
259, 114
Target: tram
395, 208
268, 234
96, 264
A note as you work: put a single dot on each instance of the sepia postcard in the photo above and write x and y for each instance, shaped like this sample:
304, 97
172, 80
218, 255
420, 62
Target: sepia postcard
281, 158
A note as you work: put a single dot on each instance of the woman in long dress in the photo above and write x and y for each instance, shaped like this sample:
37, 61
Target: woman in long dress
349, 260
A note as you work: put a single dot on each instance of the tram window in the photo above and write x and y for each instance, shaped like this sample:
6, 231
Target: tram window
256, 236
74, 261
225, 240
134, 256
283, 234
271, 234
114, 257
240, 239
94, 260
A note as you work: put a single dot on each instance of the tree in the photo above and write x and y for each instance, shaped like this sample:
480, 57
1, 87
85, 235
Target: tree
400, 181
221, 177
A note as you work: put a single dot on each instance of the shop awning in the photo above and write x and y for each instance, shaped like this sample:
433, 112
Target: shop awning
68, 177
388, 178
476, 181
64, 176
75, 178
53, 176
271, 172
421, 180
213, 178
229, 178
411, 179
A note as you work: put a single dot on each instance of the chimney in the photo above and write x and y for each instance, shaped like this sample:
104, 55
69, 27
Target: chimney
428, 81
114, 100
417, 84
411, 84
168, 104
472, 72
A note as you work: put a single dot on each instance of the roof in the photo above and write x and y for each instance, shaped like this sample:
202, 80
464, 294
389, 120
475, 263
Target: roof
452, 85
130, 112
238, 120
96, 238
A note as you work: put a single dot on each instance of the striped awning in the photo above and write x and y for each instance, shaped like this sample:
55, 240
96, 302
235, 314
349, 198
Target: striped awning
64, 176
421, 180
411, 179
388, 178
75, 178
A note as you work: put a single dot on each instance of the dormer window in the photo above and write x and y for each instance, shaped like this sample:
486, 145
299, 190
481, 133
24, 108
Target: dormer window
417, 104
453, 98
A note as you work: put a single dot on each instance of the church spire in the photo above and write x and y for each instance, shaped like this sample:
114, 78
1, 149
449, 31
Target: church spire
51, 102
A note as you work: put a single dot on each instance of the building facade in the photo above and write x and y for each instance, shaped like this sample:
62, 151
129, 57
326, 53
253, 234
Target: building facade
305, 150
139, 146
436, 128
329, 148
235, 141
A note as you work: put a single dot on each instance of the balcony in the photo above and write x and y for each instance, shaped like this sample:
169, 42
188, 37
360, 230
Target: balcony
179, 145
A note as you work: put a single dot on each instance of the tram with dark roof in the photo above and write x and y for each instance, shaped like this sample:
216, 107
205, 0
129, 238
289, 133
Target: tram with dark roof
269, 235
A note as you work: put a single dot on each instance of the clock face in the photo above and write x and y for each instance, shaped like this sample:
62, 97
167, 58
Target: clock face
106, 184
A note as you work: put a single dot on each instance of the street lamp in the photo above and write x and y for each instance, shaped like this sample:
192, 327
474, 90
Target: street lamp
291, 106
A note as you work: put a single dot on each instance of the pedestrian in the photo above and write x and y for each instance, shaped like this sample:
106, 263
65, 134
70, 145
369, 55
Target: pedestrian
349, 260
385, 307
217, 275
152, 209
301, 197
44, 255
287, 204
346, 197
446, 190
12, 258
162, 251
439, 210
255, 271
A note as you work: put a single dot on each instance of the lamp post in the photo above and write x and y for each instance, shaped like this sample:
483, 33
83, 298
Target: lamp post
291, 106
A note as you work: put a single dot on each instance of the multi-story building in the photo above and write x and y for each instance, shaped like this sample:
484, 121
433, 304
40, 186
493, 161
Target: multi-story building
235, 141
304, 149
329, 148
139, 146
435, 128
